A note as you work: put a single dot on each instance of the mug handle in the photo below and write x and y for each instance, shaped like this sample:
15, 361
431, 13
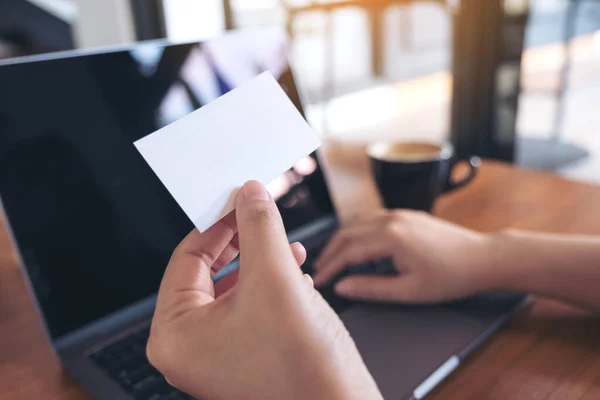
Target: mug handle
474, 164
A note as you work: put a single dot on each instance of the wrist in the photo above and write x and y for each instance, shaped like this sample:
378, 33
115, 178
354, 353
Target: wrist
327, 386
335, 372
510, 263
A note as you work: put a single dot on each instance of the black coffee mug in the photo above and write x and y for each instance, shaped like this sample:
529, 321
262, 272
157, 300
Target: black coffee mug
413, 174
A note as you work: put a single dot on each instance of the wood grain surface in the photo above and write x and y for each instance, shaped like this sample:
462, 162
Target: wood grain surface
549, 351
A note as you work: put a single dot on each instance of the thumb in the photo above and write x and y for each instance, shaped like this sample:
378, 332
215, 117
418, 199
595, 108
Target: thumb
264, 248
378, 288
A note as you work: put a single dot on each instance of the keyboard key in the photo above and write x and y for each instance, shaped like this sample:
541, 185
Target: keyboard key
147, 382
156, 392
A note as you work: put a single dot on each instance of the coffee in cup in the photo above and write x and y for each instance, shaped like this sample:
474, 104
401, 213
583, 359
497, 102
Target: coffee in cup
412, 174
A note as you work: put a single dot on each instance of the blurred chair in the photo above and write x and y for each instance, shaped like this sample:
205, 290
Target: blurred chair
569, 33
553, 154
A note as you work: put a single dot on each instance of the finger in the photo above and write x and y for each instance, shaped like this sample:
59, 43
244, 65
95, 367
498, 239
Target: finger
235, 242
230, 280
299, 253
368, 247
228, 255
264, 250
226, 283
212, 241
309, 281
188, 270
341, 239
379, 288
169, 382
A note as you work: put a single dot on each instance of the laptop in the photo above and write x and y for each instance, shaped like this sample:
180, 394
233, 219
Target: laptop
94, 226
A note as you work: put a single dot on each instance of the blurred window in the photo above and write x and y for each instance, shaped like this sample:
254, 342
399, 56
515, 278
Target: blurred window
191, 20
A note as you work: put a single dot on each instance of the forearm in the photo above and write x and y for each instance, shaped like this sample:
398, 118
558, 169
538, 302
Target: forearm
561, 266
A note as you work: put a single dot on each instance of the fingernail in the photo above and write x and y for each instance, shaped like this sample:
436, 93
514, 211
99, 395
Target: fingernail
254, 190
343, 288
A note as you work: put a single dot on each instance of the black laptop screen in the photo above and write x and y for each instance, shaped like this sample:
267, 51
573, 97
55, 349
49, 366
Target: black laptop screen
94, 225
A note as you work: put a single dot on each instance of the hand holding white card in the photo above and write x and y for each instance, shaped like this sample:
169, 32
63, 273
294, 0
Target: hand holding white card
253, 132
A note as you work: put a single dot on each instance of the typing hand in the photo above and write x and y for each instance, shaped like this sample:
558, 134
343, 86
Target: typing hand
269, 335
435, 260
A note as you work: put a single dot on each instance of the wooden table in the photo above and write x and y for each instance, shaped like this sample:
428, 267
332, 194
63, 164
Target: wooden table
549, 351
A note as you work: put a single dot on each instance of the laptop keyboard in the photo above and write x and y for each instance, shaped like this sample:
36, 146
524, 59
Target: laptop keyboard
125, 361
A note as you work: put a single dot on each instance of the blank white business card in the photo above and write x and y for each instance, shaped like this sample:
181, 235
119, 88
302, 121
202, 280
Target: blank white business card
252, 132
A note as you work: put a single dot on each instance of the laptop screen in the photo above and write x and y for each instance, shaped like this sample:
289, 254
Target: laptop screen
94, 226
